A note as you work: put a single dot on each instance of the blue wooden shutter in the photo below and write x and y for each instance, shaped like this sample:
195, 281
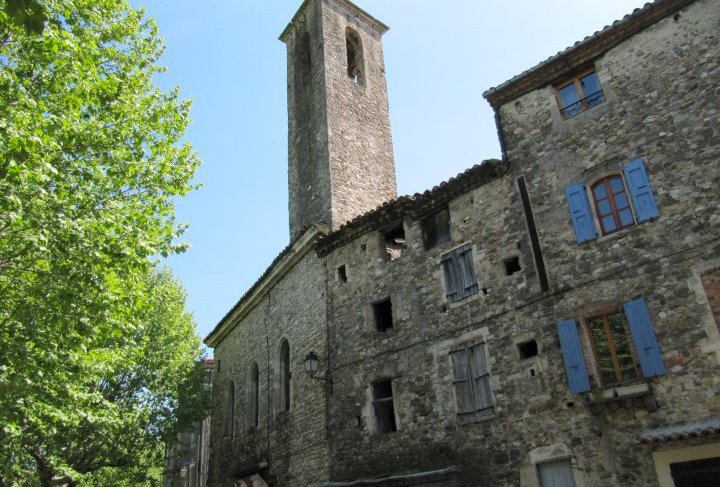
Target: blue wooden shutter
573, 356
580, 213
640, 190
644, 337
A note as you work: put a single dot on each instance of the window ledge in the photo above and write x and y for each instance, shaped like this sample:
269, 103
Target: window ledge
620, 392
475, 419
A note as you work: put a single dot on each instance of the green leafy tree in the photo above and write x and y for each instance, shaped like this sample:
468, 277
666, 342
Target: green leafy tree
90, 166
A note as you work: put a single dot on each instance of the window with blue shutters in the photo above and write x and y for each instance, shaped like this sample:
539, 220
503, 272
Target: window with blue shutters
621, 346
612, 202
573, 356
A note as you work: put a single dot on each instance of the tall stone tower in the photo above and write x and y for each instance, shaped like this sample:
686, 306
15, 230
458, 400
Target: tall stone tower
340, 148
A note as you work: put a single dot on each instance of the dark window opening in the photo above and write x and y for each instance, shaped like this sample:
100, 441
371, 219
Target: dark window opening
303, 61
229, 425
383, 407
382, 311
436, 229
696, 473
395, 242
284, 399
512, 266
254, 396
527, 349
354, 56
342, 274
579, 94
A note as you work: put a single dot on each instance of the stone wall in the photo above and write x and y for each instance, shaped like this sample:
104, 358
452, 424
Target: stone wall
293, 443
662, 104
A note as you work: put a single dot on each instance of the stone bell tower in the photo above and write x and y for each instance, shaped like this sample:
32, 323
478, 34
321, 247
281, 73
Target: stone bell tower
340, 157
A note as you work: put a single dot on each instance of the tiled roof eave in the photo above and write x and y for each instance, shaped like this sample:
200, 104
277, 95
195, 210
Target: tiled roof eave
414, 206
708, 427
582, 52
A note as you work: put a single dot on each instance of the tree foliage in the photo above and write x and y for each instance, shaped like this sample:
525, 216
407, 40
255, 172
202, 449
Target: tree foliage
96, 350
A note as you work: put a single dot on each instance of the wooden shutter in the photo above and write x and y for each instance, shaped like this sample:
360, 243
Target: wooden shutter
481, 378
643, 335
640, 190
468, 282
461, 382
556, 474
573, 357
580, 213
452, 276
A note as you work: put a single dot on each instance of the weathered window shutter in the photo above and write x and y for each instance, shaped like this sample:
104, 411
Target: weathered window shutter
481, 378
573, 357
556, 474
580, 213
643, 335
468, 282
640, 190
463, 388
452, 275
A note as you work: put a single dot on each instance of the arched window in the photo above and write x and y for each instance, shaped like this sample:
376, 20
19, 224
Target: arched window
612, 204
254, 397
284, 385
354, 56
229, 411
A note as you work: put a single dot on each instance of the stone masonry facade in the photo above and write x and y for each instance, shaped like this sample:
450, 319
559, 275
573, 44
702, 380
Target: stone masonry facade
548, 319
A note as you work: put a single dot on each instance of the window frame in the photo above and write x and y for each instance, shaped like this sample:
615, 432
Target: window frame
378, 402
355, 57
229, 418
575, 80
607, 332
597, 216
254, 397
431, 231
456, 274
284, 376
478, 414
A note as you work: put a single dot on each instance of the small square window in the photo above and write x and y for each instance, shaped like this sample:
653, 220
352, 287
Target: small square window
579, 93
512, 266
383, 314
342, 274
436, 228
383, 407
527, 349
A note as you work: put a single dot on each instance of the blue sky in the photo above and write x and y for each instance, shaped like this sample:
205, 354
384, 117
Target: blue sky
440, 57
